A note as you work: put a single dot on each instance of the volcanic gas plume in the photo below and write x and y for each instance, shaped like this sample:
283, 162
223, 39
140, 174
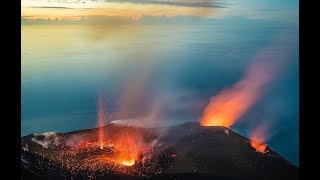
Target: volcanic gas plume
233, 102
230, 104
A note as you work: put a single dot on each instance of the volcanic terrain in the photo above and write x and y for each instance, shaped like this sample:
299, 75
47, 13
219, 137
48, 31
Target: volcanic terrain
185, 151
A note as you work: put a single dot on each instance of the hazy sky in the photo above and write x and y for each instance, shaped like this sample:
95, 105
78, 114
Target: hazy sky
286, 10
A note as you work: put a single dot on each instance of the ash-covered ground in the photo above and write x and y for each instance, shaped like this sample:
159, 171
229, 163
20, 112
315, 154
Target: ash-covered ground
185, 151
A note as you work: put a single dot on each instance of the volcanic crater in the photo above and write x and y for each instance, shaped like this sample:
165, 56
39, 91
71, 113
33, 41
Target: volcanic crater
185, 151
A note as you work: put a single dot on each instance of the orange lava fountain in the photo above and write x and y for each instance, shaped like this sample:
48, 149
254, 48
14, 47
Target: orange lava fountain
101, 116
257, 139
127, 149
125, 146
233, 102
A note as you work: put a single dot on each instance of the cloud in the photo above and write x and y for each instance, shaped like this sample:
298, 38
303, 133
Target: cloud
56, 7
51, 7
185, 3
191, 3
144, 19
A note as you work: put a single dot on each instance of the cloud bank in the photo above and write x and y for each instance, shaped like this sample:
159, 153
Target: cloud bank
191, 3
184, 3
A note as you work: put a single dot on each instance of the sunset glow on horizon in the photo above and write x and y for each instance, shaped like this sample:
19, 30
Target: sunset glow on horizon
74, 11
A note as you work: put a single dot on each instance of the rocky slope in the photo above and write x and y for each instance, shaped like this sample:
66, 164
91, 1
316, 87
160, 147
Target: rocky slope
185, 151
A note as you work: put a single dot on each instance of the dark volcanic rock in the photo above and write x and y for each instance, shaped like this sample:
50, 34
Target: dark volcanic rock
186, 151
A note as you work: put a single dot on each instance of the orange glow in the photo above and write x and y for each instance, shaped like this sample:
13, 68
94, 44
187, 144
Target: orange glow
133, 11
231, 103
100, 122
127, 149
119, 150
225, 108
257, 139
261, 147
128, 163
125, 146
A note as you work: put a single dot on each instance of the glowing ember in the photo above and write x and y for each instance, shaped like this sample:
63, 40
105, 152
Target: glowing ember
122, 147
128, 148
128, 163
258, 137
125, 146
230, 104
110, 149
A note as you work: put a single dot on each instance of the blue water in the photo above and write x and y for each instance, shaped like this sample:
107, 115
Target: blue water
177, 67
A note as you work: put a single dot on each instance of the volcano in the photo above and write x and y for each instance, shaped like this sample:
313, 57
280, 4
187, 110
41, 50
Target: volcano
185, 151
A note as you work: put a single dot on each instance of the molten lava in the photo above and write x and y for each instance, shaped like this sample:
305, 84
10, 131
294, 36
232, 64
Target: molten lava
231, 103
128, 163
257, 139
259, 146
125, 147
225, 108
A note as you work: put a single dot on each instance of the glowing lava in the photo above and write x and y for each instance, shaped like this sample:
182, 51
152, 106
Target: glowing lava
101, 116
125, 147
259, 146
128, 148
128, 163
233, 102
257, 139
122, 147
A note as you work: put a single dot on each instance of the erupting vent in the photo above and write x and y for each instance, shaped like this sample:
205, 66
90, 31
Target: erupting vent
170, 152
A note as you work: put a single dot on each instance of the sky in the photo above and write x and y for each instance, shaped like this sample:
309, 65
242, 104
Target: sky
157, 58
75, 9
